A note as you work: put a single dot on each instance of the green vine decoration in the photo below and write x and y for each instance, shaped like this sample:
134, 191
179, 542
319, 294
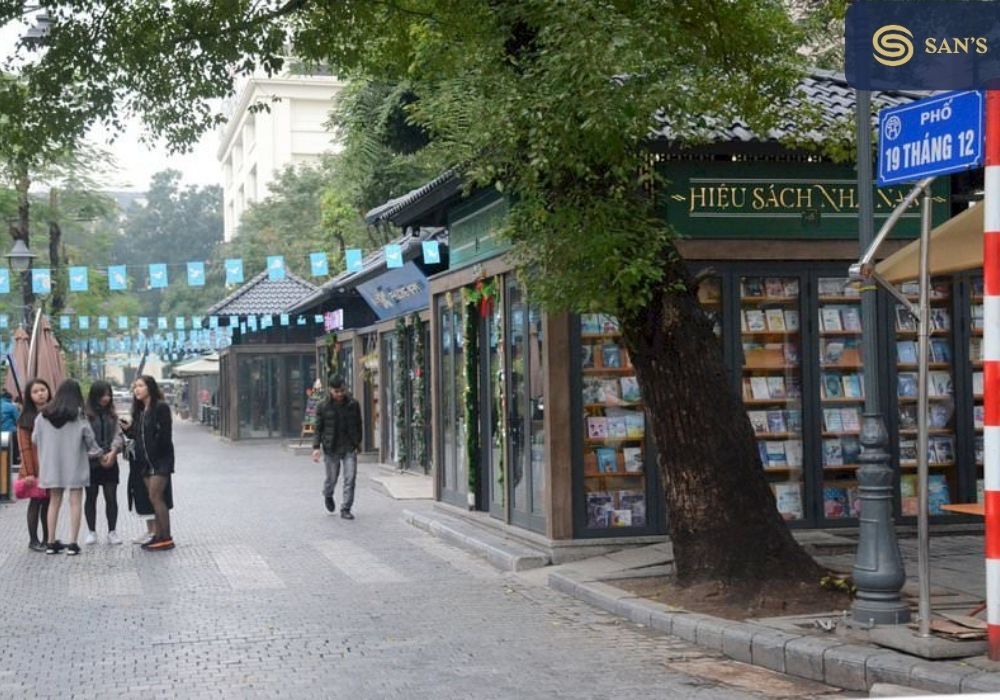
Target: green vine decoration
419, 393
332, 356
470, 321
500, 406
402, 370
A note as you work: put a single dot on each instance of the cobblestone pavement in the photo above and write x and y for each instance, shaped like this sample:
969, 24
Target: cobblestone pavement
267, 595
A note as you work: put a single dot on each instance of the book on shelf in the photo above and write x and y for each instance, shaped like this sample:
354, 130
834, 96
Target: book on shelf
835, 503
793, 420
611, 356
907, 416
852, 386
751, 287
937, 494
940, 319
710, 291
762, 453
793, 387
775, 319
590, 324
831, 386
776, 422
621, 518
774, 287
833, 421
791, 320
617, 428
977, 286
607, 460
939, 414
977, 383
776, 456
599, 506
758, 420
790, 353
904, 321
939, 383
978, 448
586, 356
758, 388
850, 448
833, 287
977, 314
597, 427
635, 424
975, 348
851, 419
940, 289
630, 389
851, 317
634, 502
633, 459
833, 350
829, 319
980, 491
754, 321
978, 415
788, 497
609, 391
943, 450
906, 352
910, 288
940, 350
906, 385
793, 453
591, 390
609, 324
908, 503
790, 286
854, 500
833, 453
907, 451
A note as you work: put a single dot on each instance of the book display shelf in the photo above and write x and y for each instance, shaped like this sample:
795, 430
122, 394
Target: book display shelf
941, 443
841, 393
772, 382
614, 430
976, 362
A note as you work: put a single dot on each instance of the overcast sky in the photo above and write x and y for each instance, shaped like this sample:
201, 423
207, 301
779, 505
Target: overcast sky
137, 161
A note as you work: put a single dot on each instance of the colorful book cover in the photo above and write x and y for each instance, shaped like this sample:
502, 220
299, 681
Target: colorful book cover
793, 420
852, 386
617, 427
835, 504
830, 319
607, 460
776, 453
754, 321
776, 387
851, 318
634, 501
793, 453
776, 422
937, 494
597, 427
833, 455
630, 389
774, 287
832, 387
850, 418
599, 505
758, 419
611, 356
775, 320
633, 459
850, 448
635, 424
791, 320
906, 352
621, 518
788, 497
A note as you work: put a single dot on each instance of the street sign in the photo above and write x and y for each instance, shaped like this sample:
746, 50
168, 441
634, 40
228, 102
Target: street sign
934, 136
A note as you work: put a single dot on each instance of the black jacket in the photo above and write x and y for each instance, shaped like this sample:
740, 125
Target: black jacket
338, 426
153, 435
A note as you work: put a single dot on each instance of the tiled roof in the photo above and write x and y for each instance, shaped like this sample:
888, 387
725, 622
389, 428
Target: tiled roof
826, 90
386, 211
261, 295
374, 262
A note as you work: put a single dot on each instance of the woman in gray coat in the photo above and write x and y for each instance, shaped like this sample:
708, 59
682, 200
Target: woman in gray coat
65, 441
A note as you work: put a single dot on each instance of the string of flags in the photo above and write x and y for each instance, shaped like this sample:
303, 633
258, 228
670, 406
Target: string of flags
158, 275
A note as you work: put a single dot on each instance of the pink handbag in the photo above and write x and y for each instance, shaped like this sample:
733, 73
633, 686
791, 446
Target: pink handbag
24, 490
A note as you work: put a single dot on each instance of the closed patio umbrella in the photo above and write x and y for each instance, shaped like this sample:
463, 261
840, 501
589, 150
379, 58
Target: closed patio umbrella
19, 358
955, 245
47, 362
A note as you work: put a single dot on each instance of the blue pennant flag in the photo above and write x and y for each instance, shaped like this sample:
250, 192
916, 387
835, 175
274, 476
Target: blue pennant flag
41, 280
122, 323
234, 321
213, 321
102, 323
117, 278
243, 329
157, 276
300, 320
143, 323
196, 274
4, 323
393, 255
179, 323
284, 319
352, 256
252, 322
83, 322
78, 279
196, 321
4, 281
319, 264
234, 271
161, 323
275, 267
432, 252
318, 318
266, 321
64, 323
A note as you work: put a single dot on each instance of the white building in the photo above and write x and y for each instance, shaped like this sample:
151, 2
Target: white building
255, 146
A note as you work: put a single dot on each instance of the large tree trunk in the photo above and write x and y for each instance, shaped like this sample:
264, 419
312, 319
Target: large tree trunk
23, 232
59, 284
723, 520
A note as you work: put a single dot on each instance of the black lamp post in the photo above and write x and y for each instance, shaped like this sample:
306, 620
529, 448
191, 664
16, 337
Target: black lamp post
19, 258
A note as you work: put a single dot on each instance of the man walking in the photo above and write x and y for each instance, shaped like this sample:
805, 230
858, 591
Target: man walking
338, 432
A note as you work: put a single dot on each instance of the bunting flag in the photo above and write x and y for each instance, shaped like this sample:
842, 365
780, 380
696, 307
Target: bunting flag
284, 319
117, 278
234, 271
393, 255
179, 323
4, 323
196, 321
78, 279
352, 257
122, 323
319, 264
318, 318
432, 252
196, 274
213, 322
41, 280
4, 281
83, 322
143, 323
275, 267
161, 323
102, 323
157, 276
266, 321
64, 323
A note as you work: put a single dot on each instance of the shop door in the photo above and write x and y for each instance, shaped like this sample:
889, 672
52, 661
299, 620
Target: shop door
259, 389
451, 456
492, 442
390, 379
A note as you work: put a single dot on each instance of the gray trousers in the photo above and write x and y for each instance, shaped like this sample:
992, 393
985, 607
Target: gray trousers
350, 461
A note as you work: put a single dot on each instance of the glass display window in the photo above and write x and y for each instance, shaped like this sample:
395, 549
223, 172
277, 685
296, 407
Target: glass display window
976, 365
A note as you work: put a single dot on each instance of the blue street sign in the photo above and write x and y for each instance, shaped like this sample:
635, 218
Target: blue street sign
934, 136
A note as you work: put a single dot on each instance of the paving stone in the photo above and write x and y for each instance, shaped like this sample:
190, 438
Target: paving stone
889, 668
709, 633
737, 641
804, 656
844, 666
940, 677
768, 649
981, 682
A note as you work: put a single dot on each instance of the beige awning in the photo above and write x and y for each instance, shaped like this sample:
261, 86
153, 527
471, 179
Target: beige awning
209, 364
956, 245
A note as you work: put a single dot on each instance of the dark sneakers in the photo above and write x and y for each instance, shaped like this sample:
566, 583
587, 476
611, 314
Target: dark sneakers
72, 549
330, 505
36, 546
54, 547
347, 515
158, 545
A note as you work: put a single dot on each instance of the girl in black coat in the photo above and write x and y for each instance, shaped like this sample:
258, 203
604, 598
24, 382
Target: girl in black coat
152, 457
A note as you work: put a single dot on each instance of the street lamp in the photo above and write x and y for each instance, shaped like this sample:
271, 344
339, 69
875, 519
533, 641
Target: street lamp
20, 256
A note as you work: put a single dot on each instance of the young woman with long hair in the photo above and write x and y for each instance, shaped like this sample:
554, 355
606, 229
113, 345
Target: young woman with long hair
151, 431
104, 473
37, 393
65, 441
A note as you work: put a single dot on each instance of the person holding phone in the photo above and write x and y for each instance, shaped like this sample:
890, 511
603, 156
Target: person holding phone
104, 472
153, 448
38, 394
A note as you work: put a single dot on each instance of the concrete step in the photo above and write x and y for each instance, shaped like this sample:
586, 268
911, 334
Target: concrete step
503, 553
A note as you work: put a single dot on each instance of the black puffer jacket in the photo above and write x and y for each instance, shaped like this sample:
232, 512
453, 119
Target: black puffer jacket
338, 426
152, 431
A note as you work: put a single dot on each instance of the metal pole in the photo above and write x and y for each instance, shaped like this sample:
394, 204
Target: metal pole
866, 234
923, 325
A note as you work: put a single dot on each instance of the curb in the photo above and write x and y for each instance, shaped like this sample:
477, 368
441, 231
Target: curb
827, 660
501, 553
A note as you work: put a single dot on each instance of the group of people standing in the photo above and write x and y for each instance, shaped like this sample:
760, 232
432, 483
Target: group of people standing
69, 447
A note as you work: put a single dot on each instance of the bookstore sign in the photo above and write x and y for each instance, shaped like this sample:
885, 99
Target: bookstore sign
731, 204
